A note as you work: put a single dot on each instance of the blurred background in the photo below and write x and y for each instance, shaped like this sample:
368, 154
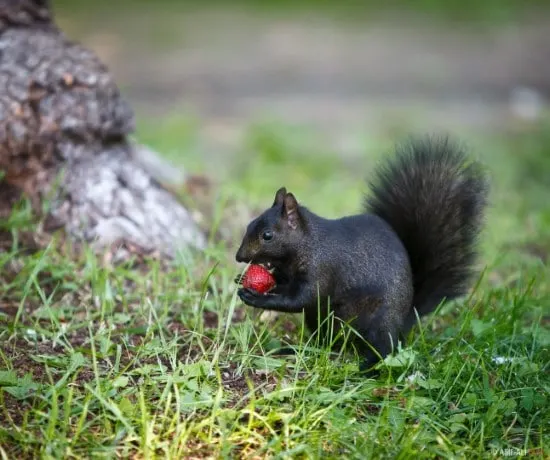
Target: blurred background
307, 93
341, 68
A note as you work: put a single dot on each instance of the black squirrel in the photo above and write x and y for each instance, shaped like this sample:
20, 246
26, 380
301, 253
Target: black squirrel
413, 247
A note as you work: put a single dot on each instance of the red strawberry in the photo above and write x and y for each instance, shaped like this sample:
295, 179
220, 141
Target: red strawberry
258, 279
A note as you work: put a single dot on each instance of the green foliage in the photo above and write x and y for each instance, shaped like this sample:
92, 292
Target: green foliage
456, 10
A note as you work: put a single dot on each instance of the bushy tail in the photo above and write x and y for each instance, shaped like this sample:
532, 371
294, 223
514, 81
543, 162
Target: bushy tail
434, 198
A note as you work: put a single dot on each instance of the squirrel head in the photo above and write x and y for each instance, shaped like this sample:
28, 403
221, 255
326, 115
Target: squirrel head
274, 237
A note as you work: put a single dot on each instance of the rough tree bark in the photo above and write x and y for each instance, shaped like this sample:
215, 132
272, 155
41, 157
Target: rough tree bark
64, 128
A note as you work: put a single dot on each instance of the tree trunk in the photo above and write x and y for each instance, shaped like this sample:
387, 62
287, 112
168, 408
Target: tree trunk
64, 131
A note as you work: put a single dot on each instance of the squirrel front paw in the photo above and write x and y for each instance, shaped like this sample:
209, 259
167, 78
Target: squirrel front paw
253, 298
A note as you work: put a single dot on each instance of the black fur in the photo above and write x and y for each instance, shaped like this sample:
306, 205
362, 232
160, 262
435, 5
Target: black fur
414, 247
434, 198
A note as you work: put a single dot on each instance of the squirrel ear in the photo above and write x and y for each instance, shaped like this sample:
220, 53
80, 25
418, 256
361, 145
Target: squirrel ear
279, 196
290, 210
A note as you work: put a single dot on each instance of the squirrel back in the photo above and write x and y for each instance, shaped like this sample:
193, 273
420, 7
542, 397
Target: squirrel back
434, 197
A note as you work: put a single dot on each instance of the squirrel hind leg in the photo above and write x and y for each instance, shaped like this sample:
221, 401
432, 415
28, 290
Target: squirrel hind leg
367, 369
377, 318
381, 332
284, 351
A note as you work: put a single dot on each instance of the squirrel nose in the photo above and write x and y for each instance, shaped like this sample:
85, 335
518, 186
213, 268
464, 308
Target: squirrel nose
241, 255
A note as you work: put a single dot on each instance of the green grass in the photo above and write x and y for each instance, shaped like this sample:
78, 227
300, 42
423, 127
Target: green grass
491, 11
163, 361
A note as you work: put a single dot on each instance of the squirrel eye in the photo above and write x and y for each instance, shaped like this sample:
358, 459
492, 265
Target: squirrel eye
267, 235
